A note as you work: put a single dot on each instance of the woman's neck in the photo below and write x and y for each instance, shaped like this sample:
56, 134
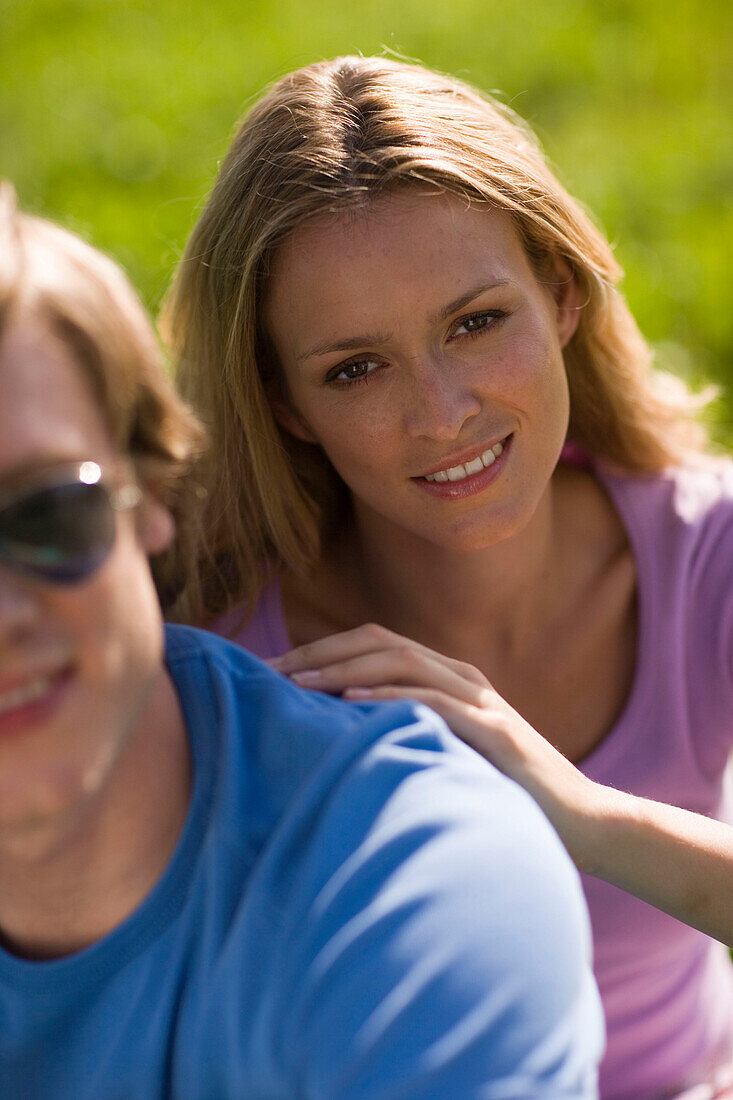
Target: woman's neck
444, 597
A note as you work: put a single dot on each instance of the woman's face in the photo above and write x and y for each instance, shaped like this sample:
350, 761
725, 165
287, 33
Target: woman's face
422, 354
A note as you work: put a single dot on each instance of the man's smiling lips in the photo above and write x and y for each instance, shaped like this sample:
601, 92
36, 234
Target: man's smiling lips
469, 475
25, 702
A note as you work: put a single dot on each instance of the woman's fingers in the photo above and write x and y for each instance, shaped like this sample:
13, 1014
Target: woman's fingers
334, 648
368, 639
402, 664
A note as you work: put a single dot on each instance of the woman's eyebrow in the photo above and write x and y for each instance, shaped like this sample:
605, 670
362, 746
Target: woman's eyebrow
351, 343
465, 299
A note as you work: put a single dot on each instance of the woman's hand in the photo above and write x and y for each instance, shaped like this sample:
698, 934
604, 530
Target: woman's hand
372, 663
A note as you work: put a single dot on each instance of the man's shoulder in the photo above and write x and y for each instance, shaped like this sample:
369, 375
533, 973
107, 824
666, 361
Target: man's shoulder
414, 891
399, 905
256, 701
298, 755
279, 742
290, 728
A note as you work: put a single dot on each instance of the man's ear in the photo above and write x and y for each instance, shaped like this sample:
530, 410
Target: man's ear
291, 421
569, 299
155, 525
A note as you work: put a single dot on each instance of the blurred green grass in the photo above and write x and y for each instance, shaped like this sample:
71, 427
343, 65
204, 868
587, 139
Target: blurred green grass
114, 115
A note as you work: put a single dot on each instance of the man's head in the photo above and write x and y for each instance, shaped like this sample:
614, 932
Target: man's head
92, 438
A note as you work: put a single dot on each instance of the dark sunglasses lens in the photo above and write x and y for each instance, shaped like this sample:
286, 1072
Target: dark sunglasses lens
62, 533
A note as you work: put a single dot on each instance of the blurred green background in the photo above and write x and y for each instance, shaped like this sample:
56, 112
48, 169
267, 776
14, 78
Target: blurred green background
115, 113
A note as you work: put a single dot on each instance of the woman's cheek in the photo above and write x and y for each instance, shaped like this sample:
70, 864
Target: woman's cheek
361, 428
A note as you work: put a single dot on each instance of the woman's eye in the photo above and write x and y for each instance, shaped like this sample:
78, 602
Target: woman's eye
477, 322
352, 371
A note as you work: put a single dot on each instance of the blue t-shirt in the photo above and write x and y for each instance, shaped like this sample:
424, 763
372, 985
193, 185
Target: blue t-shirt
358, 907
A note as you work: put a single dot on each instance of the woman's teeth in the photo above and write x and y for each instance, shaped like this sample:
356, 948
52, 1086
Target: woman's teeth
467, 469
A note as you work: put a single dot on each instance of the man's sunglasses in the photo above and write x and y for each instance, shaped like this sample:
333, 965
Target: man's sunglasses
60, 526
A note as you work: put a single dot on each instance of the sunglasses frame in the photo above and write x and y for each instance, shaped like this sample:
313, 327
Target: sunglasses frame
120, 498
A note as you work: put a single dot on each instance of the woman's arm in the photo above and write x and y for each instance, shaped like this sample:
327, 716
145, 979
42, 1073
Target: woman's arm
679, 861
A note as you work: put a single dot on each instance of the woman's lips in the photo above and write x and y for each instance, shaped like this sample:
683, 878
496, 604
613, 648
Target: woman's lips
468, 486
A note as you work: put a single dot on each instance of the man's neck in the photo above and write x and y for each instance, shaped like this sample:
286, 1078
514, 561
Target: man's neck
65, 884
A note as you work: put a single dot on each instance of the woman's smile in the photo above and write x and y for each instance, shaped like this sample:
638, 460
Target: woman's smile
471, 476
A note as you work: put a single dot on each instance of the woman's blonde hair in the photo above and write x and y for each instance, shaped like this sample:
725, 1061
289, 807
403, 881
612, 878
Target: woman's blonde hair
50, 277
333, 136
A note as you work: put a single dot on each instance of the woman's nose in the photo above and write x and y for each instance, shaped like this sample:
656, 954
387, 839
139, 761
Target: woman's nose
440, 402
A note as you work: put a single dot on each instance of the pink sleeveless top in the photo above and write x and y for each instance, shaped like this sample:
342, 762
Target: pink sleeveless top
667, 990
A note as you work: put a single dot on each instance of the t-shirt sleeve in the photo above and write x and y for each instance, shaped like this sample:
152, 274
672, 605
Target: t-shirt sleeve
438, 943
